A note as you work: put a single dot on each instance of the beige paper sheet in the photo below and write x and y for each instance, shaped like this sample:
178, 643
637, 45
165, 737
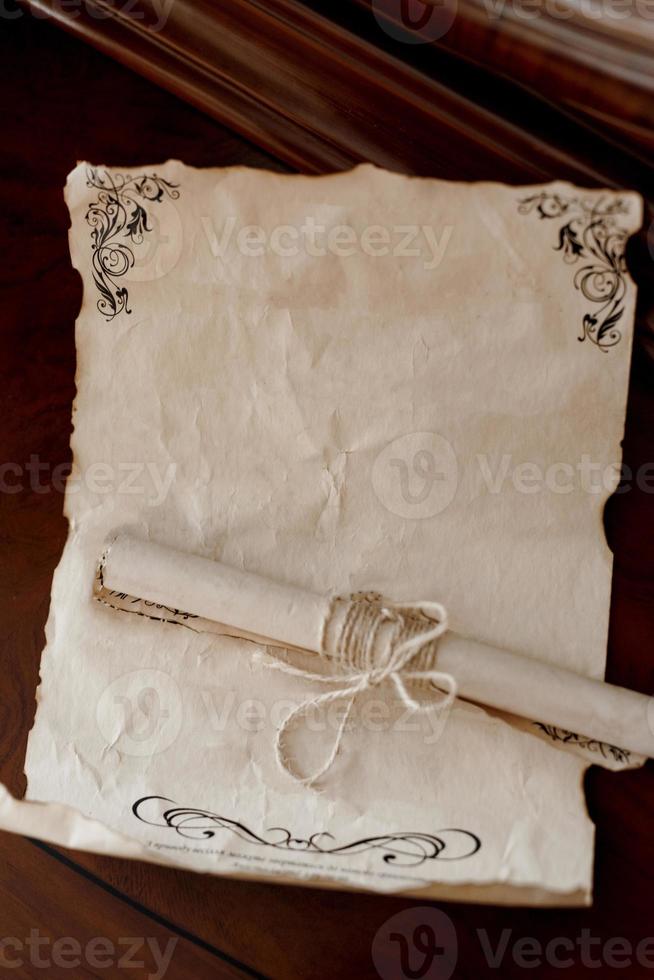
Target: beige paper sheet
413, 411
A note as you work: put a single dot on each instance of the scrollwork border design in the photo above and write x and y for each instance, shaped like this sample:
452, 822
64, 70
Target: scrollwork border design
592, 235
399, 849
119, 220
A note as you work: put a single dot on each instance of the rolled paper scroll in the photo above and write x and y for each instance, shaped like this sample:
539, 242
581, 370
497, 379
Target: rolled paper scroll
239, 603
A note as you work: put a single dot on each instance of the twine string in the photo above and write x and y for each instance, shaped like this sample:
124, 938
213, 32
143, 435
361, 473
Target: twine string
371, 641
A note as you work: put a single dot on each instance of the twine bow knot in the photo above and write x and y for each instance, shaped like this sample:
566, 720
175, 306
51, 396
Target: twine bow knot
372, 641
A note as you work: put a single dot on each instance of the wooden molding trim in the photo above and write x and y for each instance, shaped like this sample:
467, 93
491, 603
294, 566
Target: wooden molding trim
321, 97
601, 67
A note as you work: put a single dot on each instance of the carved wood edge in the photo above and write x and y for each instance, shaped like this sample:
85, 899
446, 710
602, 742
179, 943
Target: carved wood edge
320, 97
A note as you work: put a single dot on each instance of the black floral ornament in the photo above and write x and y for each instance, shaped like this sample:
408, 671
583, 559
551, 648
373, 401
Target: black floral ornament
569, 243
590, 744
119, 221
402, 850
591, 234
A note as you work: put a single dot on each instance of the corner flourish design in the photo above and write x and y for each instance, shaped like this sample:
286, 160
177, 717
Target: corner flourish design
591, 234
403, 850
119, 219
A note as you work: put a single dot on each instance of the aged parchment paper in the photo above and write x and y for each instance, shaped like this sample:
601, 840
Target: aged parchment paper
361, 381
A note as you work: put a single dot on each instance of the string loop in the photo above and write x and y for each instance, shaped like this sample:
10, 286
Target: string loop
371, 641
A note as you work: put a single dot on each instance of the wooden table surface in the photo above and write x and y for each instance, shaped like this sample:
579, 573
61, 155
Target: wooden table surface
61, 101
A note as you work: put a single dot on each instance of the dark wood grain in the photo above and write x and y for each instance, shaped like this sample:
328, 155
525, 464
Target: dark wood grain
318, 93
62, 101
59, 923
600, 69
